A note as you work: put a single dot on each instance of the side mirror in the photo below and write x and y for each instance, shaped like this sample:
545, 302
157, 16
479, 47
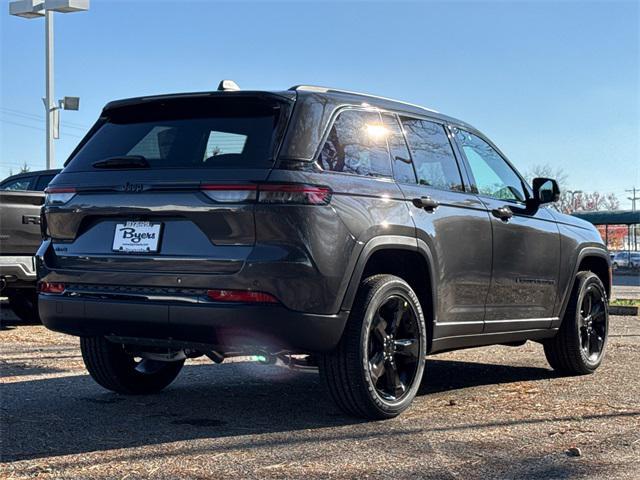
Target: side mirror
545, 190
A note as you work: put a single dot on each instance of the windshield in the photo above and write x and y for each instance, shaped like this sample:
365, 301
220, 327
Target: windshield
185, 133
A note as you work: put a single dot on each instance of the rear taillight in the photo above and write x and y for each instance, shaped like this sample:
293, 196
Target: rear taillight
51, 287
297, 194
242, 296
58, 195
231, 193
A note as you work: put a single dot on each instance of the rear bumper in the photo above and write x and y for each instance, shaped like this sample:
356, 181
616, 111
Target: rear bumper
21, 268
225, 326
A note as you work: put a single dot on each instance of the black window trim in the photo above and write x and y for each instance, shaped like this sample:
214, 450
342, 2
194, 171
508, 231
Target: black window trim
396, 117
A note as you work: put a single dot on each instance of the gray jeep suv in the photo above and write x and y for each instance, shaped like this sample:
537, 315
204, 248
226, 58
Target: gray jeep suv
321, 227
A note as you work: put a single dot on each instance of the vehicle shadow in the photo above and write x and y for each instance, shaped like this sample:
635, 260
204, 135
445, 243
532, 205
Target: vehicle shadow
70, 415
443, 375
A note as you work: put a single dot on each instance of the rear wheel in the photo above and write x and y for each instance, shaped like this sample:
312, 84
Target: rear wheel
376, 370
579, 346
115, 369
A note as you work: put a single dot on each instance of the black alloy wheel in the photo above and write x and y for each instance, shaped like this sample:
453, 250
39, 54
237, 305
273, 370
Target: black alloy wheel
578, 347
394, 348
376, 369
593, 324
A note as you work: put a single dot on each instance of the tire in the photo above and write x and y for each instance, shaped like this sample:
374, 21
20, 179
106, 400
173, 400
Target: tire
579, 346
24, 304
116, 370
385, 333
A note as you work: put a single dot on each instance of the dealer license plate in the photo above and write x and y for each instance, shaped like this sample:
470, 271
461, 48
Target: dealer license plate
137, 237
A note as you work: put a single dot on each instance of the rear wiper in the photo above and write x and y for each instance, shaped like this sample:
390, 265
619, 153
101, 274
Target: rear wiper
124, 161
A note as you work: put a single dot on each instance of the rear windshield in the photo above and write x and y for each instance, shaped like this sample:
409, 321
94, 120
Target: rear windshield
187, 133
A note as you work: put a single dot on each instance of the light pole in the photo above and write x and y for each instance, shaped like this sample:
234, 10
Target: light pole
46, 9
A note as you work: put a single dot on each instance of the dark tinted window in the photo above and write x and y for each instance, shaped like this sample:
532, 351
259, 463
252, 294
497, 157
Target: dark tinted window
43, 181
357, 144
181, 134
433, 157
402, 168
23, 183
493, 175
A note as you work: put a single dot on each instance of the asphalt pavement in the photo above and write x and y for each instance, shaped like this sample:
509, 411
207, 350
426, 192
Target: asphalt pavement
495, 412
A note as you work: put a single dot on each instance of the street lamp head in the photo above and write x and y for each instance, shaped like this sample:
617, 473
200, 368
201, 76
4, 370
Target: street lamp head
66, 6
27, 8
70, 103
37, 8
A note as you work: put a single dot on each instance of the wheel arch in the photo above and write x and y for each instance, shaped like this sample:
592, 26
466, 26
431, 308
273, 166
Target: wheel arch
405, 257
592, 259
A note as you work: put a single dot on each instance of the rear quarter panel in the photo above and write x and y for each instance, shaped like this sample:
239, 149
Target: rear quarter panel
361, 209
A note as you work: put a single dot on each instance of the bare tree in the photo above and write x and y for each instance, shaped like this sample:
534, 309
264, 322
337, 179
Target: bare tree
547, 171
25, 168
569, 201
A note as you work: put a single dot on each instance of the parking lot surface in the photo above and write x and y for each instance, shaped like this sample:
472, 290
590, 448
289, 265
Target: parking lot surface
496, 412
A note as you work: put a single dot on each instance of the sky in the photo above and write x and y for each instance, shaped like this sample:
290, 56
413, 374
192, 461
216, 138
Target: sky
550, 82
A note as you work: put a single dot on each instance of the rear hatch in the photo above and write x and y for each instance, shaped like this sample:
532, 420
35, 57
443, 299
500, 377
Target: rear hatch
164, 184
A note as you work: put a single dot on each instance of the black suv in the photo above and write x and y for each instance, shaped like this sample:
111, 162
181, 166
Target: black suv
321, 227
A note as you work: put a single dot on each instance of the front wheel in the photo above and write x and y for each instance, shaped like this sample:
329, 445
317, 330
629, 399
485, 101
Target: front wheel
115, 369
376, 369
579, 346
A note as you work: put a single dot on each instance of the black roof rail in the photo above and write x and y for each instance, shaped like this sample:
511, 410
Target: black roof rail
319, 89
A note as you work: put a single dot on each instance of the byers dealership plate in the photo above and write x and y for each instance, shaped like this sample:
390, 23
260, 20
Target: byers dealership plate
137, 237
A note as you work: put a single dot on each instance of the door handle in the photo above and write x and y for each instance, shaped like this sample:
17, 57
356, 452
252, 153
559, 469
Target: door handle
427, 203
503, 213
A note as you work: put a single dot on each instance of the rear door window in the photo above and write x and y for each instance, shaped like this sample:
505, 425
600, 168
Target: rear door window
357, 144
19, 184
43, 181
433, 157
187, 134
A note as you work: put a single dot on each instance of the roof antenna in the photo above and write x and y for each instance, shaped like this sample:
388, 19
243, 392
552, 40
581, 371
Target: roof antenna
228, 86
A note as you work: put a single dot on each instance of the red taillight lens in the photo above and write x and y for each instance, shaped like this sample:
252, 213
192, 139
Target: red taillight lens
51, 287
58, 195
297, 194
243, 296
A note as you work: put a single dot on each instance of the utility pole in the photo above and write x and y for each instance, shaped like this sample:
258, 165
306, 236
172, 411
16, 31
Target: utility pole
633, 198
49, 105
46, 8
